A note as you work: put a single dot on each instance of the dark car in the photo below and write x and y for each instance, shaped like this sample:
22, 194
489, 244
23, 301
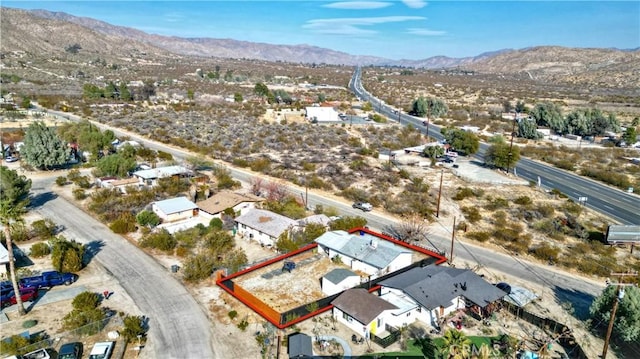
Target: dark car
70, 351
26, 294
504, 286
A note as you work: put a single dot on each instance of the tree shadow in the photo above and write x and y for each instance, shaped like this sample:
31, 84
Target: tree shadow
40, 199
580, 301
90, 250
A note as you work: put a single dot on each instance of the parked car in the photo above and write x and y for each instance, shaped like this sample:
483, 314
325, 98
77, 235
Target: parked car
48, 280
365, 206
9, 297
102, 350
70, 351
11, 159
37, 354
6, 286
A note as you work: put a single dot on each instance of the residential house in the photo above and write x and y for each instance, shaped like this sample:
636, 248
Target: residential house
364, 252
175, 209
122, 184
262, 226
363, 312
338, 280
432, 292
238, 202
150, 177
321, 114
299, 346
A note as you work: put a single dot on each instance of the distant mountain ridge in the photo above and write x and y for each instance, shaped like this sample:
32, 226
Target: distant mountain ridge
42, 30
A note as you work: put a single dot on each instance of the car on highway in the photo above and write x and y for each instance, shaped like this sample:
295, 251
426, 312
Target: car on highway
70, 351
364, 206
101, 350
9, 297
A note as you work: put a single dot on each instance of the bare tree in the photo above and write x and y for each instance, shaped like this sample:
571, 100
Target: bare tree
277, 191
413, 227
257, 184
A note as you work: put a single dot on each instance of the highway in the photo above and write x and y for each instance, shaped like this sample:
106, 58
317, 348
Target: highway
620, 206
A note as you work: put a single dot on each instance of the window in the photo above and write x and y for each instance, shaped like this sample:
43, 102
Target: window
347, 317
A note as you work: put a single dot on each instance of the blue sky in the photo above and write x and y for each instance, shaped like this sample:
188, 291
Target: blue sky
410, 29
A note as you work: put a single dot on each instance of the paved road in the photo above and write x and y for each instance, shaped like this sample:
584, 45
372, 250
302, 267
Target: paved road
619, 205
179, 328
566, 287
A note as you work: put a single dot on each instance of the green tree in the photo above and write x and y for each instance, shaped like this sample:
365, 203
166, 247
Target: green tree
578, 123
14, 198
548, 114
429, 107
627, 323
499, 155
115, 165
190, 94
111, 91
347, 223
26, 103
261, 90
85, 311
528, 129
66, 255
92, 92
42, 147
125, 94
148, 218
629, 136
461, 140
237, 97
133, 327
521, 107
433, 151
455, 345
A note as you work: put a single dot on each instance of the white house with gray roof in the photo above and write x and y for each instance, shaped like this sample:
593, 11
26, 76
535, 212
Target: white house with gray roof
430, 293
364, 252
263, 226
151, 176
338, 280
174, 209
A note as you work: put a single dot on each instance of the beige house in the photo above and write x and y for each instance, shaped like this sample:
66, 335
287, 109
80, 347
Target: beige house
175, 209
122, 184
219, 202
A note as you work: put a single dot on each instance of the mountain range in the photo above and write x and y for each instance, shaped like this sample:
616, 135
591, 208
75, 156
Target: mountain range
50, 32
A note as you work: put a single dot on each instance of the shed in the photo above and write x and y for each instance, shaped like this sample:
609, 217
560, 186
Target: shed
338, 280
300, 346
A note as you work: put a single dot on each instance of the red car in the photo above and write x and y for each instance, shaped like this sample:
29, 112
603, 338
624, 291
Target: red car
26, 294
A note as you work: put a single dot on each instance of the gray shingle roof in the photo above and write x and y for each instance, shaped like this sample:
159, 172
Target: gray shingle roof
300, 346
338, 275
272, 224
435, 286
175, 205
360, 247
361, 305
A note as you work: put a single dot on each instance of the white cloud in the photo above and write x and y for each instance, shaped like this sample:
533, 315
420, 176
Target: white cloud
424, 32
358, 5
352, 26
415, 4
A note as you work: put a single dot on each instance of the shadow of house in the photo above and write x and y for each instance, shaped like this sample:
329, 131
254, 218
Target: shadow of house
90, 250
580, 301
40, 199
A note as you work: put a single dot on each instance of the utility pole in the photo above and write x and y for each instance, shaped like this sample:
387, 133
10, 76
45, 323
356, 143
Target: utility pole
453, 237
439, 194
616, 300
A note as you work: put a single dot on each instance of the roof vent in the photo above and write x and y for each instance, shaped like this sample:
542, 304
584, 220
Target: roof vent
373, 244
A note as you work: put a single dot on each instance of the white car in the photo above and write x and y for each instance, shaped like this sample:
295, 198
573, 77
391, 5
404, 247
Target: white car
11, 159
102, 350
364, 206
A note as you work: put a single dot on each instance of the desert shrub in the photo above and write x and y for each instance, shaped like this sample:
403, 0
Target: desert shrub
79, 194
43, 228
172, 186
545, 251
198, 267
500, 218
18, 344
346, 223
216, 223
464, 192
480, 236
85, 311
557, 192
148, 218
162, 240
83, 182
613, 178
523, 201
472, 214
61, 181
243, 325
39, 250
182, 251
261, 164
546, 210
73, 175
519, 245
572, 207
125, 223
133, 326
232, 314
240, 162
66, 256
496, 203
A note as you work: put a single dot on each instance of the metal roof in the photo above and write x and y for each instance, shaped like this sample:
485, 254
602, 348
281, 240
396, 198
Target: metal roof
272, 224
161, 172
623, 233
363, 247
175, 205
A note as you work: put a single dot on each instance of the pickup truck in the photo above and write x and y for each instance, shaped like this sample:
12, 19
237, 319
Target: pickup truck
48, 280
